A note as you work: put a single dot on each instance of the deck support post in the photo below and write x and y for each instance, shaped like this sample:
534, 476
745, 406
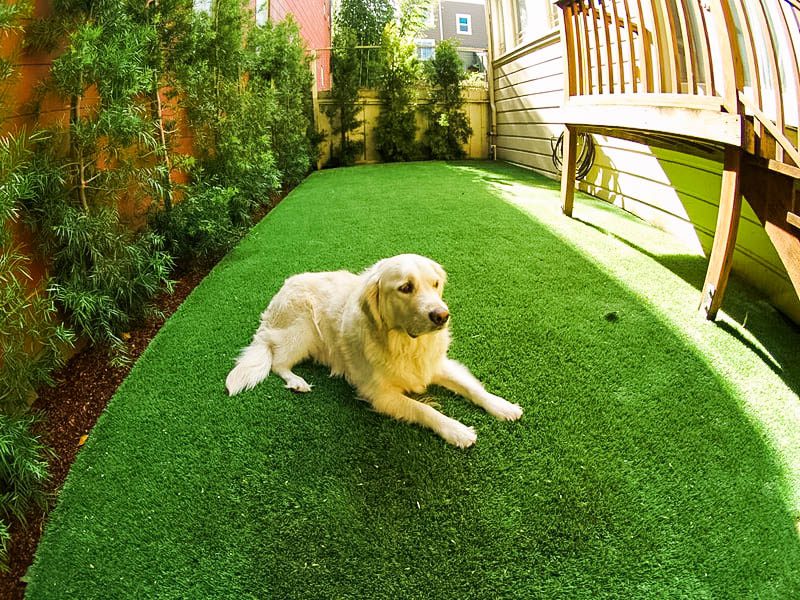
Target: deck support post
568, 161
730, 207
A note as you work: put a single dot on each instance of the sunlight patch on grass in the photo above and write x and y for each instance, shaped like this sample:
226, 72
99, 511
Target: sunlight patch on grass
634, 253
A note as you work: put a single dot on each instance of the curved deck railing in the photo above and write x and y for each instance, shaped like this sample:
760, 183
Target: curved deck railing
695, 74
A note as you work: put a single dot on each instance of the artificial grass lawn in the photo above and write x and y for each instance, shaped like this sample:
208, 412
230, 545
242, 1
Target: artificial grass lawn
658, 455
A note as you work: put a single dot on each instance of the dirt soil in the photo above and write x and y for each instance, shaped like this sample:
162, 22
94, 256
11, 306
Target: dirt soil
70, 409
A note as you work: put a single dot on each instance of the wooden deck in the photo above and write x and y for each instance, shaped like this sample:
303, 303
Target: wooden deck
709, 77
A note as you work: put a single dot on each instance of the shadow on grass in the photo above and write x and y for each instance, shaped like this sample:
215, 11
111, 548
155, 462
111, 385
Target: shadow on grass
774, 331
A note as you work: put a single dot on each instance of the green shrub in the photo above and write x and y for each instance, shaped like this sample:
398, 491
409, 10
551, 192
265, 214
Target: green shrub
448, 125
31, 339
23, 472
230, 117
200, 228
396, 128
104, 275
277, 63
343, 110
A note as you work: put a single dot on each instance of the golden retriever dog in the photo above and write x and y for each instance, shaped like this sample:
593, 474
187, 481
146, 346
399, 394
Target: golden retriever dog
385, 330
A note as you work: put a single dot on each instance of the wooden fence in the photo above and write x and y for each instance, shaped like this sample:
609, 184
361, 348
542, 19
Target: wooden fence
476, 106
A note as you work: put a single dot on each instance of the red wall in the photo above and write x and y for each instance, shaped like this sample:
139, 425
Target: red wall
314, 19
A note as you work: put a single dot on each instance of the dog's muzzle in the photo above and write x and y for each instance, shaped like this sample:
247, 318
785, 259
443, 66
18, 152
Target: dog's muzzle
439, 316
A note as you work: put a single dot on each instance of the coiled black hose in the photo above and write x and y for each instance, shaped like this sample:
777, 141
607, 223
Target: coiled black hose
585, 158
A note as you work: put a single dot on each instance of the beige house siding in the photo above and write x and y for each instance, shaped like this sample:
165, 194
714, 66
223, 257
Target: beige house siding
676, 192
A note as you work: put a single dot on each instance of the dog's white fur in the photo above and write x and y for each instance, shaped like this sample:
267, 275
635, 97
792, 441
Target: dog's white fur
385, 330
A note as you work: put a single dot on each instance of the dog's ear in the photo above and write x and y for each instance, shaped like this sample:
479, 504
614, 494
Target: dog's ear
371, 296
440, 272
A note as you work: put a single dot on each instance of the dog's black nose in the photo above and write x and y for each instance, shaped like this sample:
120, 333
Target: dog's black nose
439, 316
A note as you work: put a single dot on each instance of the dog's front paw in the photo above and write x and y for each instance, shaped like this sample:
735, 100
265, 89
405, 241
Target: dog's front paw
296, 383
503, 409
458, 434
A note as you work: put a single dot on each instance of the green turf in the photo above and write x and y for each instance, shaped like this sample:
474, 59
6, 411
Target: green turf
659, 455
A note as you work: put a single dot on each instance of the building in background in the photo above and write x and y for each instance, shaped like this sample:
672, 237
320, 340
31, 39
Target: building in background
462, 20
314, 18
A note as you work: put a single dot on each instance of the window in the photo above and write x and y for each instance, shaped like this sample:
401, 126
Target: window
202, 6
464, 24
425, 49
262, 13
522, 20
430, 18
534, 19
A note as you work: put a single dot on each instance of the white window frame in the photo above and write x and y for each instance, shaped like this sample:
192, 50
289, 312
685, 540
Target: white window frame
527, 35
466, 16
427, 43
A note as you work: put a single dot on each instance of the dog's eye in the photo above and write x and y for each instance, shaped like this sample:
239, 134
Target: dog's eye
406, 288
436, 285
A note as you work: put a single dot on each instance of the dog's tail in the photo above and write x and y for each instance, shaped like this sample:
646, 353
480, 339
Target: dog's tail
252, 366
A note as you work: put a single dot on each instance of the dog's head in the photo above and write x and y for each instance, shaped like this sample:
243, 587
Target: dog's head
405, 292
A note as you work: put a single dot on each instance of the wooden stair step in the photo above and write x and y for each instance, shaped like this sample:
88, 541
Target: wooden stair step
783, 168
793, 219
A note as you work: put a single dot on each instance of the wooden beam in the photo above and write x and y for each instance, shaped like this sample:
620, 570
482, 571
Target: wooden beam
793, 219
771, 194
568, 160
717, 127
730, 207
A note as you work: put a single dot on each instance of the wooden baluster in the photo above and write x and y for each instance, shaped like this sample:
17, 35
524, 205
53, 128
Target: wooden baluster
631, 45
652, 81
568, 37
587, 49
705, 48
754, 73
689, 52
732, 69
660, 50
772, 60
609, 50
597, 51
664, 16
790, 19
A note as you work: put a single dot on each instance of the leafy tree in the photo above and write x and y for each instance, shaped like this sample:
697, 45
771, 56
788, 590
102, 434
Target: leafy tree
230, 118
103, 273
396, 128
170, 24
278, 65
30, 337
413, 14
247, 93
343, 110
365, 18
448, 128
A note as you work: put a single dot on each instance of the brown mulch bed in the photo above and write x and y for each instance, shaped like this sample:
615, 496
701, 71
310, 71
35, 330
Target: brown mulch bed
70, 409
